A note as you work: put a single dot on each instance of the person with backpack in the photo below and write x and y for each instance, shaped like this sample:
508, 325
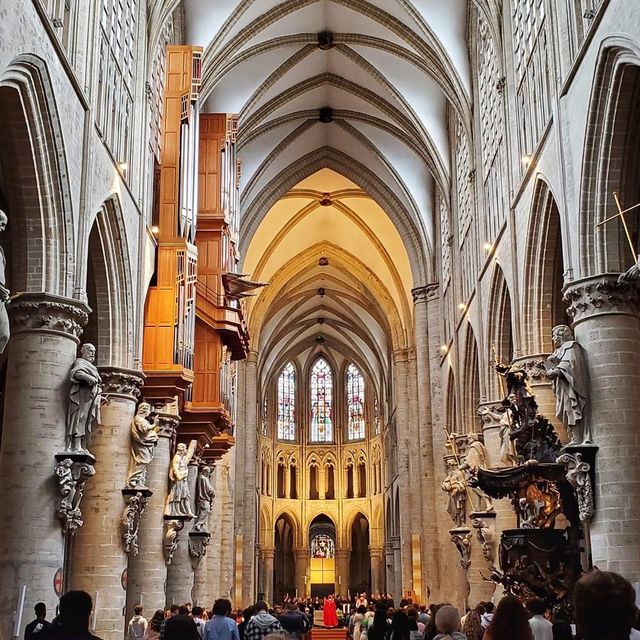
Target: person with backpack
294, 621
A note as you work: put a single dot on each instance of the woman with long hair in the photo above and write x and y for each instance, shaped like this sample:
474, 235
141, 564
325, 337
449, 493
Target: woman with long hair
472, 627
510, 621
400, 626
155, 626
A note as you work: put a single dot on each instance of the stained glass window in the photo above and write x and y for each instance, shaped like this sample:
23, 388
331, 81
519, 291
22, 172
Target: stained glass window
355, 403
287, 403
323, 546
321, 402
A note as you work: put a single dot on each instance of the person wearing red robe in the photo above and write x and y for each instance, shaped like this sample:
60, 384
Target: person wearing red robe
329, 616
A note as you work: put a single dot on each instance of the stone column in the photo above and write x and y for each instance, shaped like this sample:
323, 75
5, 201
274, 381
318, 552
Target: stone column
246, 498
342, 569
287, 481
148, 571
99, 559
356, 480
322, 482
302, 566
390, 568
606, 324
42, 349
180, 569
397, 569
268, 558
377, 569
405, 442
424, 522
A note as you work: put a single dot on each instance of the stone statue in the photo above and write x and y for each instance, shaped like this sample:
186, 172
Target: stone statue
5, 331
476, 457
204, 497
455, 485
567, 370
488, 540
144, 437
179, 498
85, 398
508, 453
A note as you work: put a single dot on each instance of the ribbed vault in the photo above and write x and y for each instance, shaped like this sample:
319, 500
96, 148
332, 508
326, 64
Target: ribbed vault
343, 109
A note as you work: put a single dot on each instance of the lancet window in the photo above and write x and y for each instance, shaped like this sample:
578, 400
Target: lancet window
117, 55
321, 402
287, 403
355, 404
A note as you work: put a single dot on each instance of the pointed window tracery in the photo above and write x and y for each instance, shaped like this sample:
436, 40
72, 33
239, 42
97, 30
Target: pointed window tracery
287, 403
355, 403
321, 402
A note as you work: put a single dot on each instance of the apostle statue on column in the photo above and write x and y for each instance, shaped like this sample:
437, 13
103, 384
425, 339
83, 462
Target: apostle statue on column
144, 438
179, 498
567, 369
204, 497
4, 292
455, 485
475, 458
85, 397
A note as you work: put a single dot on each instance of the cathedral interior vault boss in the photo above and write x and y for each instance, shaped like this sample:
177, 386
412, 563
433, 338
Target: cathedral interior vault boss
316, 297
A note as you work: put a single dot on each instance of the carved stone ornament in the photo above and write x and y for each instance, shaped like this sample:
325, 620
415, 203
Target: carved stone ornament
602, 294
578, 477
30, 311
425, 293
172, 527
121, 383
136, 502
462, 539
486, 534
535, 368
198, 543
72, 471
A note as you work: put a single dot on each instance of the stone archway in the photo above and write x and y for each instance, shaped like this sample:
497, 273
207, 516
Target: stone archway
360, 561
284, 569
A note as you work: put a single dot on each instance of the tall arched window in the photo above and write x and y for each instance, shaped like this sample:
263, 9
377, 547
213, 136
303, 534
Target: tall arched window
355, 403
287, 403
321, 402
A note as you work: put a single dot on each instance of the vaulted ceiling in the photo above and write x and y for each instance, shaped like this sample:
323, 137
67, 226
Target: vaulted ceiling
349, 98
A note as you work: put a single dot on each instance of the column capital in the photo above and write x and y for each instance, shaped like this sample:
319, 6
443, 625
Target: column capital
168, 423
533, 365
268, 552
425, 293
376, 551
301, 552
343, 553
604, 294
121, 383
491, 413
47, 312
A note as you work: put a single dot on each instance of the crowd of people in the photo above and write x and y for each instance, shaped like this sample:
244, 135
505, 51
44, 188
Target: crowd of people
604, 608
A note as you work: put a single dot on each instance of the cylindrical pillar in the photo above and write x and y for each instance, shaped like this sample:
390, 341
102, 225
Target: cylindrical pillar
302, 567
268, 557
322, 482
147, 571
390, 568
287, 481
180, 570
377, 569
99, 559
342, 569
607, 325
41, 351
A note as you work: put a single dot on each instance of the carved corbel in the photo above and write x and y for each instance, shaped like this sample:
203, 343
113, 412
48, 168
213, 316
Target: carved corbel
172, 529
72, 471
579, 478
135, 504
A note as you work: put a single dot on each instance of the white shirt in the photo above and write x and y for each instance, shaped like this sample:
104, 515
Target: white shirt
541, 628
634, 635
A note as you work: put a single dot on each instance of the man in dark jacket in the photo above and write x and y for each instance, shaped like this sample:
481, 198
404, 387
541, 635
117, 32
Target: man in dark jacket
73, 621
262, 624
293, 621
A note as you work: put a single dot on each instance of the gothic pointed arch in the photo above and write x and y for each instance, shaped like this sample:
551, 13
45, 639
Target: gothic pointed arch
500, 323
610, 162
34, 162
471, 384
544, 272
